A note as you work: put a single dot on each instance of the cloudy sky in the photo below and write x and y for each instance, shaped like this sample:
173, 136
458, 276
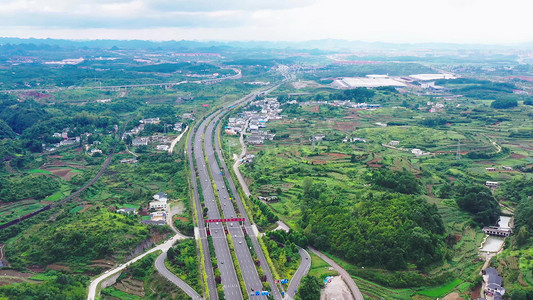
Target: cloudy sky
456, 21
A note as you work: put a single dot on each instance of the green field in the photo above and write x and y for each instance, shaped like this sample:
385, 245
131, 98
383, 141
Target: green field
440, 291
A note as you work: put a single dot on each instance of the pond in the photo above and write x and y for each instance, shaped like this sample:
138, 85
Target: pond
504, 222
492, 244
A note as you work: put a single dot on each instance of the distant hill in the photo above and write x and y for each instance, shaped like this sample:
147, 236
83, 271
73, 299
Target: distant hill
324, 44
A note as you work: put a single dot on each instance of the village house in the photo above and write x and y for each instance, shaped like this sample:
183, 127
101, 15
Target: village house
127, 210
141, 141
94, 151
493, 283
188, 116
163, 147
492, 184
506, 168
128, 161
317, 138
150, 121
490, 169
160, 202
178, 126
394, 143
156, 218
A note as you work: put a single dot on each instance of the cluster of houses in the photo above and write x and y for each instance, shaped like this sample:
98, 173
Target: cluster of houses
493, 169
67, 141
353, 140
160, 140
417, 152
435, 107
256, 121
157, 210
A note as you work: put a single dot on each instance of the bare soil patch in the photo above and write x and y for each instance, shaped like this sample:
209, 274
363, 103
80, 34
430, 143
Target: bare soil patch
452, 296
58, 267
517, 156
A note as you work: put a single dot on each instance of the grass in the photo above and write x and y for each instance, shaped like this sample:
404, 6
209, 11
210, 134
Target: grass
43, 277
39, 171
77, 209
374, 290
118, 294
320, 268
55, 196
440, 290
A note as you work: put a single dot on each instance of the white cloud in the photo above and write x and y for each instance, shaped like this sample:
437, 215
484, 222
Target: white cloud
484, 21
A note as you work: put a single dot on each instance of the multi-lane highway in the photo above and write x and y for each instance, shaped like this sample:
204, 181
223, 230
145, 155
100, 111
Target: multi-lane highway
225, 264
205, 169
247, 224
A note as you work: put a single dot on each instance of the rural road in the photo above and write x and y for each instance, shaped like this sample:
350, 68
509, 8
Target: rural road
176, 140
159, 265
305, 265
95, 282
162, 269
345, 276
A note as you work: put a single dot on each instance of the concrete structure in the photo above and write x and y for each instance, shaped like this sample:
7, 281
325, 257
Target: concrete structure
161, 201
353, 82
142, 141
431, 77
394, 143
150, 121
492, 184
497, 231
127, 210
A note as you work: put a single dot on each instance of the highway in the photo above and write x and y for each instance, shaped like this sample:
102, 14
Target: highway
201, 136
225, 264
211, 284
242, 252
242, 212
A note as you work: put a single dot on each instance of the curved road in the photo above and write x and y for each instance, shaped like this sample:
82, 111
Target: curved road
303, 269
162, 269
95, 282
345, 276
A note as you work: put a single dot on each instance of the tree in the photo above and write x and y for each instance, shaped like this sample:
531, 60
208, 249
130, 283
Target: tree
309, 288
478, 200
504, 103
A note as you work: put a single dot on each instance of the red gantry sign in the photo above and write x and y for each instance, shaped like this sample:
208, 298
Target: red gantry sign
225, 220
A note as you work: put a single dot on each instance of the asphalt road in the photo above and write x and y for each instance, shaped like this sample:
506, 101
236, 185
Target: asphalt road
226, 267
303, 269
95, 282
247, 224
162, 269
242, 252
211, 284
